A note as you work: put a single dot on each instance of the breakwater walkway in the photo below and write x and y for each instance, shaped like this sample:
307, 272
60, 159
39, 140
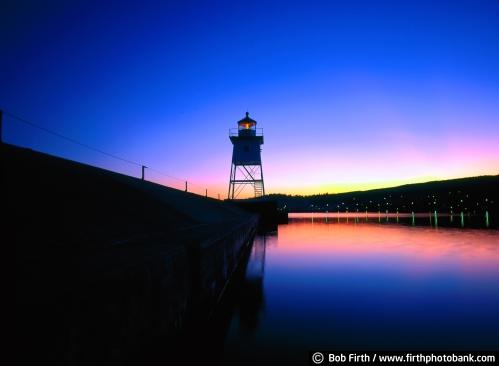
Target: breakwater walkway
107, 265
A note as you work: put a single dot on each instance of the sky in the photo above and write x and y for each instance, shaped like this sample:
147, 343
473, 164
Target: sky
351, 94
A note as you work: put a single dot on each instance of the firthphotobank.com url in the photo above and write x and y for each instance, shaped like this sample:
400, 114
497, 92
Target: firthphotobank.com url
325, 358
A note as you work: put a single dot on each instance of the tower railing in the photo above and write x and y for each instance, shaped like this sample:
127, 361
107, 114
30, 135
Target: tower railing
235, 132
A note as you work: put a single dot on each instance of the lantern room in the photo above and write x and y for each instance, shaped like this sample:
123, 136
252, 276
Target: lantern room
246, 126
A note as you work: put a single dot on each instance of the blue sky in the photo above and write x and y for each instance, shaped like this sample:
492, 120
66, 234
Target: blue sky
351, 94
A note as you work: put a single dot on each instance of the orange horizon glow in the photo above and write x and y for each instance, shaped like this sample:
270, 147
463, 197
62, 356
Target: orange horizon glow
216, 189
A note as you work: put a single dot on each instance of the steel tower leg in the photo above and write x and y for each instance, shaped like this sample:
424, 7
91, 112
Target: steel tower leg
230, 180
261, 176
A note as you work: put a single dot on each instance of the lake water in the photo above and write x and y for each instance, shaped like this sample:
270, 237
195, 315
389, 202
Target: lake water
324, 283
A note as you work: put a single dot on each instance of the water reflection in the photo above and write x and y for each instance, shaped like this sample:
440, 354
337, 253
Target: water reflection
341, 283
252, 296
434, 218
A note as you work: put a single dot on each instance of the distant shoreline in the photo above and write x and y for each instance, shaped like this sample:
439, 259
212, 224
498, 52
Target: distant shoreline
473, 195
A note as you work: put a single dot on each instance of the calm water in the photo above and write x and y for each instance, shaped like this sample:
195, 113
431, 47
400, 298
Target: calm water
323, 284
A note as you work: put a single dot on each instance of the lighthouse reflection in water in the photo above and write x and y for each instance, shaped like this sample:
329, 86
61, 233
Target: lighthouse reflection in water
332, 285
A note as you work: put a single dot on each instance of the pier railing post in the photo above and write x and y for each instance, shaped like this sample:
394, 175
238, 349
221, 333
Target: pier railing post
143, 172
186, 186
1, 125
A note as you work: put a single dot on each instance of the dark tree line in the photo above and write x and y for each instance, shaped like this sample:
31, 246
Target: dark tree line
470, 195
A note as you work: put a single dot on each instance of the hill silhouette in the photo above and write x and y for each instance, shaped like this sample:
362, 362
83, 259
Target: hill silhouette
473, 195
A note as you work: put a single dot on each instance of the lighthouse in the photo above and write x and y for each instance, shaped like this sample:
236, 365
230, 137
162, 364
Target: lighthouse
246, 167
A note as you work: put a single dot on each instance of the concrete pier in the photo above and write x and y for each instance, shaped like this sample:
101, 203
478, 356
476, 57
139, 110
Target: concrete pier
270, 215
109, 266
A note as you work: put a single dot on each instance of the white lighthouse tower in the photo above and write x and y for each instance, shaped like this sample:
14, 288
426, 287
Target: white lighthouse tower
246, 168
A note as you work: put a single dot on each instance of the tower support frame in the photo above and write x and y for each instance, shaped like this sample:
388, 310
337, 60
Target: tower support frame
242, 176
